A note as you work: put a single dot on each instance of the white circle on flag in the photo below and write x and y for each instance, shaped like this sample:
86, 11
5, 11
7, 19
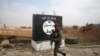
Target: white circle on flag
48, 26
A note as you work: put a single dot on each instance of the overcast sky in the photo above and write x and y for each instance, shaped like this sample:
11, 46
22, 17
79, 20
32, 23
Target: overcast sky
74, 12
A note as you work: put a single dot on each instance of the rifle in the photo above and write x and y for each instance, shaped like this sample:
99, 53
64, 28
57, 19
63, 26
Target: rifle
52, 38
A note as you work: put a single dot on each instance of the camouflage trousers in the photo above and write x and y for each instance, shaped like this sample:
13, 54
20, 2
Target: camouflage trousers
56, 50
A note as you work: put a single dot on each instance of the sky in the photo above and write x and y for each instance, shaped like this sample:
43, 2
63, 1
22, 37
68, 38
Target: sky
74, 12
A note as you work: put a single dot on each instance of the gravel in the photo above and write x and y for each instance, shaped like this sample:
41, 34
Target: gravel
21, 49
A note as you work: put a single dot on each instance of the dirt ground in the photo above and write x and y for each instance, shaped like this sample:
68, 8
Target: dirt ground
25, 49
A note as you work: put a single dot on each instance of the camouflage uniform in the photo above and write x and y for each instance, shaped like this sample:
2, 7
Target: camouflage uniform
57, 40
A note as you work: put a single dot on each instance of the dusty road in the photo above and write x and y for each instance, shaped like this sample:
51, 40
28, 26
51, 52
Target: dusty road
26, 50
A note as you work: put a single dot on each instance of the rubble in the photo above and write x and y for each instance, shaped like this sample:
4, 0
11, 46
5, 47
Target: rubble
5, 42
25, 49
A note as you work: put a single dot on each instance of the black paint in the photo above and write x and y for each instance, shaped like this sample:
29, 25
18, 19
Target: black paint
38, 20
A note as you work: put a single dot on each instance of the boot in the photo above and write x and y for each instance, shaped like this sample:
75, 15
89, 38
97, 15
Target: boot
64, 54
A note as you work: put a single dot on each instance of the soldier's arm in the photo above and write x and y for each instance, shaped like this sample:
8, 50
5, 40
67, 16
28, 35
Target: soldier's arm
57, 39
60, 35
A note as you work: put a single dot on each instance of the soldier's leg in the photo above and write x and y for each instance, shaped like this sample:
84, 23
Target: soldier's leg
59, 51
55, 51
64, 54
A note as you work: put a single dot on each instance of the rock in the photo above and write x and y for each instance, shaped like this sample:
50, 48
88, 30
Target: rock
5, 42
1, 48
27, 53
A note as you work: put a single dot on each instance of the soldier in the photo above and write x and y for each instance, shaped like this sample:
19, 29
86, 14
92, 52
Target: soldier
57, 39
